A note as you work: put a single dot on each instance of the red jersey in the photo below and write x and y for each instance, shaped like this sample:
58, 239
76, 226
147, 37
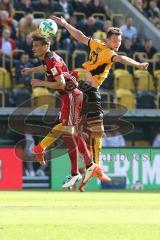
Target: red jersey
55, 66
72, 98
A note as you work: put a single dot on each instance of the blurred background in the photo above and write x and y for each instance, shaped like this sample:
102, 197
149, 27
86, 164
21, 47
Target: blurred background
130, 155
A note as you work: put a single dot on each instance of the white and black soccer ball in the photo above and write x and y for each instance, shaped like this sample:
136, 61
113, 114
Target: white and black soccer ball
48, 28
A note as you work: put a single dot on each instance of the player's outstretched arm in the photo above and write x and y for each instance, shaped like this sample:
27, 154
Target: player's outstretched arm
77, 34
33, 70
130, 61
58, 84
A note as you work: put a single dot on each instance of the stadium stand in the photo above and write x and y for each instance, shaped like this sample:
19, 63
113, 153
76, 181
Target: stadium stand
90, 15
93, 19
126, 98
130, 87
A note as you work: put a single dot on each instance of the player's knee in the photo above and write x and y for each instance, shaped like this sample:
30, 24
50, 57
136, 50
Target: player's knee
68, 129
96, 129
97, 133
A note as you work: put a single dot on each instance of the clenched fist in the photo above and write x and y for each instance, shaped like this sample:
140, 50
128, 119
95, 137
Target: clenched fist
143, 66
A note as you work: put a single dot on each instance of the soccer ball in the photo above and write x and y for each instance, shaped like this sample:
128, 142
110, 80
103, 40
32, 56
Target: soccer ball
48, 28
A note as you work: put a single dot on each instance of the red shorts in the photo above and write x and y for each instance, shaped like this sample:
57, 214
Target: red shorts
71, 106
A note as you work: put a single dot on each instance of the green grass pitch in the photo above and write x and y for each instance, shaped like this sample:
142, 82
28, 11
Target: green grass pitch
109, 215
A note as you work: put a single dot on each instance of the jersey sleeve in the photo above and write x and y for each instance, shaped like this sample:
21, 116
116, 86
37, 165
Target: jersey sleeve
109, 56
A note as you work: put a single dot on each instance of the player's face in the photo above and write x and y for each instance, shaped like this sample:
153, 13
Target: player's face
114, 42
38, 49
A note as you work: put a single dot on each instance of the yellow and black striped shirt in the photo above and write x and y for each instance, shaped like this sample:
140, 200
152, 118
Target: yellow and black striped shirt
100, 60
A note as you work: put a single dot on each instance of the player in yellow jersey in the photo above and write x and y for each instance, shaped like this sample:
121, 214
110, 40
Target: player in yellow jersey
101, 57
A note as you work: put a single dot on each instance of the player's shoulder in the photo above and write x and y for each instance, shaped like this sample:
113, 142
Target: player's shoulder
52, 57
93, 41
99, 43
49, 55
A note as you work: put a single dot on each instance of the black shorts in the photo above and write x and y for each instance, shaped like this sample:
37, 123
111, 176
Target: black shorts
91, 109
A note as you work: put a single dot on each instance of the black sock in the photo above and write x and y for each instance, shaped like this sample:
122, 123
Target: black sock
74, 174
89, 165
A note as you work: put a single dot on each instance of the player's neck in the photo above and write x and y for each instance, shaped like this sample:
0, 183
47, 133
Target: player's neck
107, 44
44, 54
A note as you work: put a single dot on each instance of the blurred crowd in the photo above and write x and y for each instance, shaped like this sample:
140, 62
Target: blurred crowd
150, 9
19, 18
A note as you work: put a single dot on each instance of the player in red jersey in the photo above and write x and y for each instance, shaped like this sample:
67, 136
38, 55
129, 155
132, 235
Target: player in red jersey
61, 79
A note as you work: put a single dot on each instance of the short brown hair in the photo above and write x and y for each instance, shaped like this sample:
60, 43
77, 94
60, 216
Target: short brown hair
38, 37
113, 31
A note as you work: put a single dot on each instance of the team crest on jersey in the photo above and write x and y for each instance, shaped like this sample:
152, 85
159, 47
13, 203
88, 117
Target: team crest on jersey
54, 71
98, 49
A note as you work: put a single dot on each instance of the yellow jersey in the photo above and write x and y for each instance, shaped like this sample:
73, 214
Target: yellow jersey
100, 60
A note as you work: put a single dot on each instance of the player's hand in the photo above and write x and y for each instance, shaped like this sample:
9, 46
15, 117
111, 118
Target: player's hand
36, 83
25, 71
143, 66
60, 21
